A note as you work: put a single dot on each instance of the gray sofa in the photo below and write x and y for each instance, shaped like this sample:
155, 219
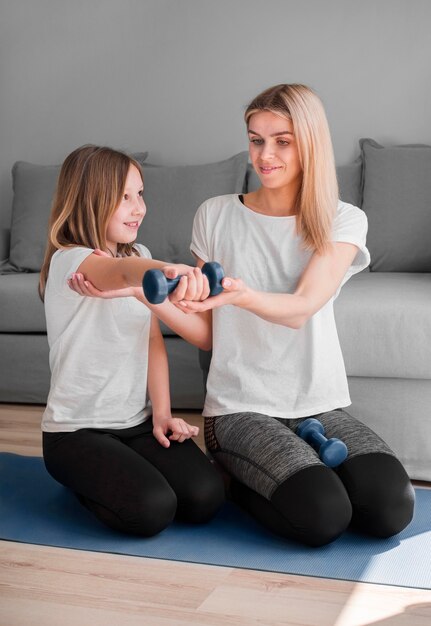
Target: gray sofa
383, 315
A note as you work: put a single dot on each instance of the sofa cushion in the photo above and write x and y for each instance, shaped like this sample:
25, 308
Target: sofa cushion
173, 195
21, 309
349, 182
33, 189
384, 325
397, 201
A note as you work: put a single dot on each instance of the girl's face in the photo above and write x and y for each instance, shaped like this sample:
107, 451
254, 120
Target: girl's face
274, 151
124, 223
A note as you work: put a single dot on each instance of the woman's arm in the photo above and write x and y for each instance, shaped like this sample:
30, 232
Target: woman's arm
318, 283
158, 390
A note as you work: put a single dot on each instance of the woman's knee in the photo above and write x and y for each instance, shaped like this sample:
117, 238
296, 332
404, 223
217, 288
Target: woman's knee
315, 505
381, 493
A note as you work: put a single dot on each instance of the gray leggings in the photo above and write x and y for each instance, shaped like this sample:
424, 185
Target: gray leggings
280, 479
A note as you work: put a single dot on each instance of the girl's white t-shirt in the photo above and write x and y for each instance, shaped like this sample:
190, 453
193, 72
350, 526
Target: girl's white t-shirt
257, 365
98, 353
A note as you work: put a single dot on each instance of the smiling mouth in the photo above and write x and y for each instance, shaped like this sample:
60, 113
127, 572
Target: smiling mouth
268, 170
132, 224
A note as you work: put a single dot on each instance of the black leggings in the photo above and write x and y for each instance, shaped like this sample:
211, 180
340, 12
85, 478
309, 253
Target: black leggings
130, 482
280, 480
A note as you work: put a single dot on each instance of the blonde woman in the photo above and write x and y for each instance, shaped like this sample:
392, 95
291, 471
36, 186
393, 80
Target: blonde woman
108, 431
276, 356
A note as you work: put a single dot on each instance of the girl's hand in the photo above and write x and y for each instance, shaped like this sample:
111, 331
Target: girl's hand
235, 291
179, 429
192, 286
172, 270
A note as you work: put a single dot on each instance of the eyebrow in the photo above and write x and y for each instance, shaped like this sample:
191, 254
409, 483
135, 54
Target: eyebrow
284, 132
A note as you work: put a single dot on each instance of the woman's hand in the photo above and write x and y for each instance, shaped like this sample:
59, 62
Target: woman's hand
179, 429
235, 291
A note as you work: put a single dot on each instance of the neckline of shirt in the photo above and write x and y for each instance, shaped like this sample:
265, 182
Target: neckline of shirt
263, 215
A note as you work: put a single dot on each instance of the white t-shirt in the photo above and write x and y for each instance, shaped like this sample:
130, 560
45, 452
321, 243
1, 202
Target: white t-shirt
98, 353
257, 365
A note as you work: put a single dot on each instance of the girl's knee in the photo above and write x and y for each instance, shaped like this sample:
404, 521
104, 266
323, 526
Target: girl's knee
144, 514
203, 499
381, 494
153, 512
315, 505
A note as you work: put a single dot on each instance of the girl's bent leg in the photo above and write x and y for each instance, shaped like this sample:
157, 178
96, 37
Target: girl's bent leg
278, 478
197, 484
122, 489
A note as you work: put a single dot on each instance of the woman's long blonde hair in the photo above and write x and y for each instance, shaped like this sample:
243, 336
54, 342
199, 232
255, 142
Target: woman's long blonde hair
318, 197
89, 189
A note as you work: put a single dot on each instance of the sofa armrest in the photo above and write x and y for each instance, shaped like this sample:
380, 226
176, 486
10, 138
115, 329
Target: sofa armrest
4, 243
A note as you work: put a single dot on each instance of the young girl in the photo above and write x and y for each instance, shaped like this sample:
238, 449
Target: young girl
123, 454
276, 356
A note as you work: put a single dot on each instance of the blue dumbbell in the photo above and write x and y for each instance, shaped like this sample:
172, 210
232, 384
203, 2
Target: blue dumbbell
157, 287
332, 452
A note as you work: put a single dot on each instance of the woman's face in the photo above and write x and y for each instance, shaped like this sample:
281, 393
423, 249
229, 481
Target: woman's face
124, 223
274, 150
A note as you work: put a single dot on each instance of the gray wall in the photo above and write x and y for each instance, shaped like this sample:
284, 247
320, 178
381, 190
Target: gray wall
173, 76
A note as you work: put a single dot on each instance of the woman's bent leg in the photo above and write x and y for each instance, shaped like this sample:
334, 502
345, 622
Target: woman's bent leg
278, 478
379, 488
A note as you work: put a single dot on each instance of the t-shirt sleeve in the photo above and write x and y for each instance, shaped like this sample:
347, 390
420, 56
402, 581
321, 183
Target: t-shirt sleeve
143, 251
351, 226
200, 240
63, 264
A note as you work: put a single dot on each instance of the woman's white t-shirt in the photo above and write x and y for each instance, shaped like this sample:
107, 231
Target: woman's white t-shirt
257, 365
98, 353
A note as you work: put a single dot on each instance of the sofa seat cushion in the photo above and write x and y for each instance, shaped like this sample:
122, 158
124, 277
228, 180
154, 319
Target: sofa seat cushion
384, 325
21, 309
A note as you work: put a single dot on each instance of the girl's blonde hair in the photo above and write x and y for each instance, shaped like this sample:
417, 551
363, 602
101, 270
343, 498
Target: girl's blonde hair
89, 189
318, 197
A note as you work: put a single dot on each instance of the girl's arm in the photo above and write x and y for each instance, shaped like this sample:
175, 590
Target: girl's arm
106, 273
318, 283
197, 330
158, 390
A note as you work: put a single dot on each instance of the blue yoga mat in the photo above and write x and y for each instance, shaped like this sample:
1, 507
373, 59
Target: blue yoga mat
36, 509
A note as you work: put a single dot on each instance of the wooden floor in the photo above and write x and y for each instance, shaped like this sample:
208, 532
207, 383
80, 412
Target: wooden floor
44, 586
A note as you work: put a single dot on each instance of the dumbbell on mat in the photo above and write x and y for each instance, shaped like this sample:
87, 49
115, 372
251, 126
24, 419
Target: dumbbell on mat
157, 287
332, 452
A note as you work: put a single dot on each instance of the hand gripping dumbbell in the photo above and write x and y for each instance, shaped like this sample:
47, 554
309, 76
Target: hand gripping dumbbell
331, 451
157, 287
